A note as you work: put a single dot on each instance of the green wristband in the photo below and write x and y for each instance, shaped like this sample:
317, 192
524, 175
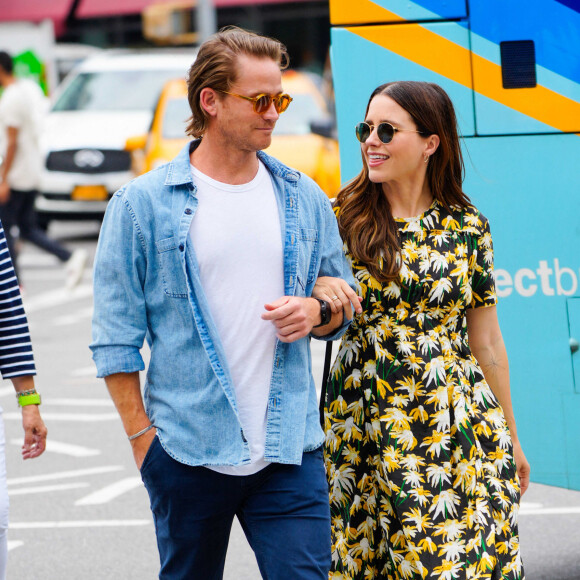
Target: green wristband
25, 400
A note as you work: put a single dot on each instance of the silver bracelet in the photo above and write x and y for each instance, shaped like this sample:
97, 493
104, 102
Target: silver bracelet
143, 431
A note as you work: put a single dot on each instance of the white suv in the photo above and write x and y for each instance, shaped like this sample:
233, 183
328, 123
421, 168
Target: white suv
107, 99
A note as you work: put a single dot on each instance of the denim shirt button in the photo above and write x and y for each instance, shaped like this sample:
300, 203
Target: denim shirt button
181, 247
188, 211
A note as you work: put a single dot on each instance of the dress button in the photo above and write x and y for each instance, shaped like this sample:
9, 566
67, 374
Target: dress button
181, 247
188, 211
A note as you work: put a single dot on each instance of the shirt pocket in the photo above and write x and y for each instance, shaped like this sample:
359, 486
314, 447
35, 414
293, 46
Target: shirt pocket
171, 266
307, 258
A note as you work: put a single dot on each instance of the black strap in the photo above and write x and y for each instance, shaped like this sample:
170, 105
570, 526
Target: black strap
325, 373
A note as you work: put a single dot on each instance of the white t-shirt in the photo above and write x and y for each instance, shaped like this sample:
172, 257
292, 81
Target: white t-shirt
237, 240
23, 106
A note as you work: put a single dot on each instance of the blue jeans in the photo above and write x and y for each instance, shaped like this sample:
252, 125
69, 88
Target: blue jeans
283, 510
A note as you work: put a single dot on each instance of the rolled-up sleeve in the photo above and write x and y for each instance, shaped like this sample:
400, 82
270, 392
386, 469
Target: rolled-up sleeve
119, 319
333, 261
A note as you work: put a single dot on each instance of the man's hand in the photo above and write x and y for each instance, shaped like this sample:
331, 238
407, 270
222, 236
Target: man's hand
4, 193
292, 316
141, 445
338, 294
34, 432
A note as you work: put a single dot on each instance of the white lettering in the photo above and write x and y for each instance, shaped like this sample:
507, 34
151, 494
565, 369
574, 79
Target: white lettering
544, 274
518, 282
559, 271
527, 282
503, 283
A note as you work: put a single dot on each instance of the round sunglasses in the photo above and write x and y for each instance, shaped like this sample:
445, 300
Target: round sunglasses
263, 101
385, 131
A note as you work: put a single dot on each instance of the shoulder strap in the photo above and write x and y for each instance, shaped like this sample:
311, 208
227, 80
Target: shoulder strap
325, 373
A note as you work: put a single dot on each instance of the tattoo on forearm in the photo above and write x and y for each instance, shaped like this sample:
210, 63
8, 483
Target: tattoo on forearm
492, 366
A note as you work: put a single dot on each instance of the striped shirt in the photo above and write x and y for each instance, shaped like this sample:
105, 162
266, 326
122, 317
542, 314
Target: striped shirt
16, 357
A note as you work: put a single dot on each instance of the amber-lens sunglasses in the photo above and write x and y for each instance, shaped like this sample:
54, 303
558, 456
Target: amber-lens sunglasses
385, 131
262, 102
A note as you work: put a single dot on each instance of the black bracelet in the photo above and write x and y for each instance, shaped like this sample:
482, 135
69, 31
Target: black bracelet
325, 313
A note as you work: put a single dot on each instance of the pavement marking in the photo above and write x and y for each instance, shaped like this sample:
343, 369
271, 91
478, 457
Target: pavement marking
78, 524
63, 402
530, 505
64, 474
110, 492
14, 544
550, 511
78, 316
64, 448
46, 488
35, 259
85, 372
56, 298
76, 417
43, 275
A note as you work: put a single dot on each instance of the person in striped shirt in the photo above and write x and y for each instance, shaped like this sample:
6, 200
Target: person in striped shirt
16, 364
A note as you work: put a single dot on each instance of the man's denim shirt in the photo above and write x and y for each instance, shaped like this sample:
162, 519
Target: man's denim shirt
147, 285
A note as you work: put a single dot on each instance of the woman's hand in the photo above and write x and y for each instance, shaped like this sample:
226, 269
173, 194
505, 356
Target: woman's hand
338, 294
34, 432
522, 466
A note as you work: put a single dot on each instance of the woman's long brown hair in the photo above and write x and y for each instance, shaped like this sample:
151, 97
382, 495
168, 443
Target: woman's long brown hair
365, 219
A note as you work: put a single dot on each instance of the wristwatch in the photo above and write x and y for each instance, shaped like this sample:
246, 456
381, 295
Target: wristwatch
325, 313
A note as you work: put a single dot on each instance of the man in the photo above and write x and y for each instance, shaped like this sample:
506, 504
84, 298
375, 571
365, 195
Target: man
22, 106
213, 257
16, 364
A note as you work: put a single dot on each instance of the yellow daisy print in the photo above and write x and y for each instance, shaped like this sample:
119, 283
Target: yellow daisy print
420, 463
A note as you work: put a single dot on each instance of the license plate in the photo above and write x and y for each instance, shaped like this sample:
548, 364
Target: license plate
90, 193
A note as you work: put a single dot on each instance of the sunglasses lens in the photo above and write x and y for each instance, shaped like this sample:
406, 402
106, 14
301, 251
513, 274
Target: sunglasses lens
363, 132
385, 132
263, 103
282, 102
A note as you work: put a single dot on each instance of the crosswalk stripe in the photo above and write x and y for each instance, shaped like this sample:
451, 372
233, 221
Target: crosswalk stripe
110, 492
76, 417
46, 488
64, 474
78, 524
53, 446
56, 298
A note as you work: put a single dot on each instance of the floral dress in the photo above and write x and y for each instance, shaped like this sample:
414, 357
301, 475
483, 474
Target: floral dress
423, 483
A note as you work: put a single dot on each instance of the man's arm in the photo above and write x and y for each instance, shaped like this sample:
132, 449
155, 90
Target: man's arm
125, 390
335, 273
12, 137
296, 317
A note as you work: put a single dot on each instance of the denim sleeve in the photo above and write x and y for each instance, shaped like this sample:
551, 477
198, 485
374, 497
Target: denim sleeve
333, 261
119, 319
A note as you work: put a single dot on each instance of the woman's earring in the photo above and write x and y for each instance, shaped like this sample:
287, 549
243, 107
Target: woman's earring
426, 158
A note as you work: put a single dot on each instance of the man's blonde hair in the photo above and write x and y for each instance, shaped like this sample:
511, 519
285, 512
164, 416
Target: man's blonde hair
216, 67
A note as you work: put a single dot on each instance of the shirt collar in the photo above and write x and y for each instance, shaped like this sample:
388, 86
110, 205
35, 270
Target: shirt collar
179, 172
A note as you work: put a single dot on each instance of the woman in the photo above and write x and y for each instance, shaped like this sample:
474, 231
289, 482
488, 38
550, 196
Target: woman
421, 447
16, 364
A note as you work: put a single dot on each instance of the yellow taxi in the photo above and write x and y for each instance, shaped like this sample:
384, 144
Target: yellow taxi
302, 138
166, 135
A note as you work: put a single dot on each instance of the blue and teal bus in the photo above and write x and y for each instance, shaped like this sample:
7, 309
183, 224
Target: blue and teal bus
512, 69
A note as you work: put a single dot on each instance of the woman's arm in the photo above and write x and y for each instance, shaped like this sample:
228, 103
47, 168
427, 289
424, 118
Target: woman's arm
487, 346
